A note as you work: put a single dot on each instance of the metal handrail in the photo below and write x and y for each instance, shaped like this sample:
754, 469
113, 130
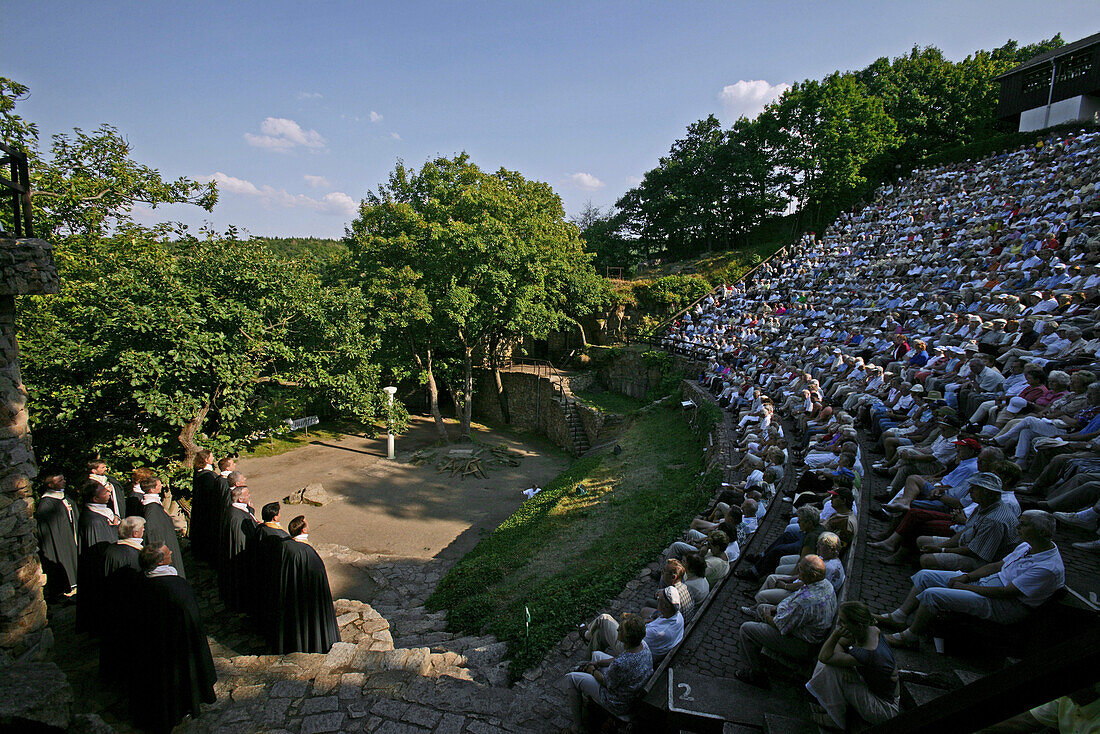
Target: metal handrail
18, 188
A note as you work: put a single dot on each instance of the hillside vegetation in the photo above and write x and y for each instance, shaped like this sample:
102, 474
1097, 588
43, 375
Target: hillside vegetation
573, 546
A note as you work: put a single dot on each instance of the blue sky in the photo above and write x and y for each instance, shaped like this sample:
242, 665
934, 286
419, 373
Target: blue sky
297, 109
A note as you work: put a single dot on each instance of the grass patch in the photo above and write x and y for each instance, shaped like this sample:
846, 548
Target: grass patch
610, 402
325, 431
575, 545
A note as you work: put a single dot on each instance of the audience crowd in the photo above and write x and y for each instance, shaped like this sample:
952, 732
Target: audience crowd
955, 320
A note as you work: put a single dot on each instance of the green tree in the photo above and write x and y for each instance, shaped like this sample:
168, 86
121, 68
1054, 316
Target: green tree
149, 339
460, 263
159, 340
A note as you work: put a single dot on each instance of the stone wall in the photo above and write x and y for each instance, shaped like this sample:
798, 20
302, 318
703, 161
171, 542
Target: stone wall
26, 268
628, 373
532, 404
592, 420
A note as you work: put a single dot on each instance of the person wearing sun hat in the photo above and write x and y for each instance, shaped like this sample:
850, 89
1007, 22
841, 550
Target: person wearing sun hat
1002, 592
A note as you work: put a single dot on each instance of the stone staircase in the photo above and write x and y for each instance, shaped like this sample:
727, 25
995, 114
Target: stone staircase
404, 585
568, 403
581, 443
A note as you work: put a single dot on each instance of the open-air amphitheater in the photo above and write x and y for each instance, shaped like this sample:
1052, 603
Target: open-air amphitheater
947, 330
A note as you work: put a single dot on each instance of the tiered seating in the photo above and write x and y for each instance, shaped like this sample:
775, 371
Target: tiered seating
960, 304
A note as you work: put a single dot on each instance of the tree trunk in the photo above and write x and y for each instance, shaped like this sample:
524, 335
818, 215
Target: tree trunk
467, 394
502, 395
433, 400
580, 328
187, 434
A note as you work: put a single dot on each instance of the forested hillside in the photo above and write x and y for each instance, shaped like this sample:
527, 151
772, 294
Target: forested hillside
821, 147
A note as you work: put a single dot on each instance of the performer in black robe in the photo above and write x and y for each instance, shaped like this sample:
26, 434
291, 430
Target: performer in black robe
55, 530
158, 526
176, 674
234, 580
97, 471
202, 528
265, 555
96, 529
122, 581
135, 495
305, 620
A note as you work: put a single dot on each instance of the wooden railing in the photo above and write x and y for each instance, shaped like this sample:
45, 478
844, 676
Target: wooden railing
16, 187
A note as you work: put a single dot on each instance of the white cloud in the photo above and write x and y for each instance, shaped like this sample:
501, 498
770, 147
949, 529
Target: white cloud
395, 136
585, 181
633, 181
310, 95
282, 135
317, 182
747, 98
336, 202
375, 117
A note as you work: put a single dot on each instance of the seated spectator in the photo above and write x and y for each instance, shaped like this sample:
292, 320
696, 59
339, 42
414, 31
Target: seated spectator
986, 536
778, 587
953, 483
612, 682
795, 628
696, 578
1077, 712
800, 542
1005, 592
855, 673
673, 577
663, 630
715, 550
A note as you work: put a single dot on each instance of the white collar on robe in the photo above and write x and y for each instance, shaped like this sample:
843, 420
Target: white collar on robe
104, 510
148, 499
132, 542
162, 571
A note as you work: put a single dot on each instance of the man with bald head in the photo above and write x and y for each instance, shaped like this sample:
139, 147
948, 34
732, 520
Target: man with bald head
793, 629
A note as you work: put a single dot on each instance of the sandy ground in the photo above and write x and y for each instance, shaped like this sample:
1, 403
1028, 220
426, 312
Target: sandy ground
394, 508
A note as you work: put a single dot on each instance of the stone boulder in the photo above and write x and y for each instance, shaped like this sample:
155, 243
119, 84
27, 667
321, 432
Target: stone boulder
311, 494
34, 697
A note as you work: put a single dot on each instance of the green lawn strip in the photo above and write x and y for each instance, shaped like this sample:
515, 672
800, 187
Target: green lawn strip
610, 402
564, 555
326, 431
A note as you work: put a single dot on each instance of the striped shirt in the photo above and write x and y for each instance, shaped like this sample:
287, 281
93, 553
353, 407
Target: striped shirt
990, 533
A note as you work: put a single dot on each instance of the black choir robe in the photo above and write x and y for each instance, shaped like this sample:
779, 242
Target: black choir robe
133, 504
159, 529
94, 534
55, 531
122, 580
203, 527
176, 669
264, 556
305, 620
234, 581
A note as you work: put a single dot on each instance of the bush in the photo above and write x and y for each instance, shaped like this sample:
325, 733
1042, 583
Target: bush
707, 418
671, 293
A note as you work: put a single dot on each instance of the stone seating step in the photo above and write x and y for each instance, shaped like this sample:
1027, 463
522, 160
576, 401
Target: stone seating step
776, 724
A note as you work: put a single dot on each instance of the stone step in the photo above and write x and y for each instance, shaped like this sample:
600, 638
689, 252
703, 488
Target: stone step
776, 724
